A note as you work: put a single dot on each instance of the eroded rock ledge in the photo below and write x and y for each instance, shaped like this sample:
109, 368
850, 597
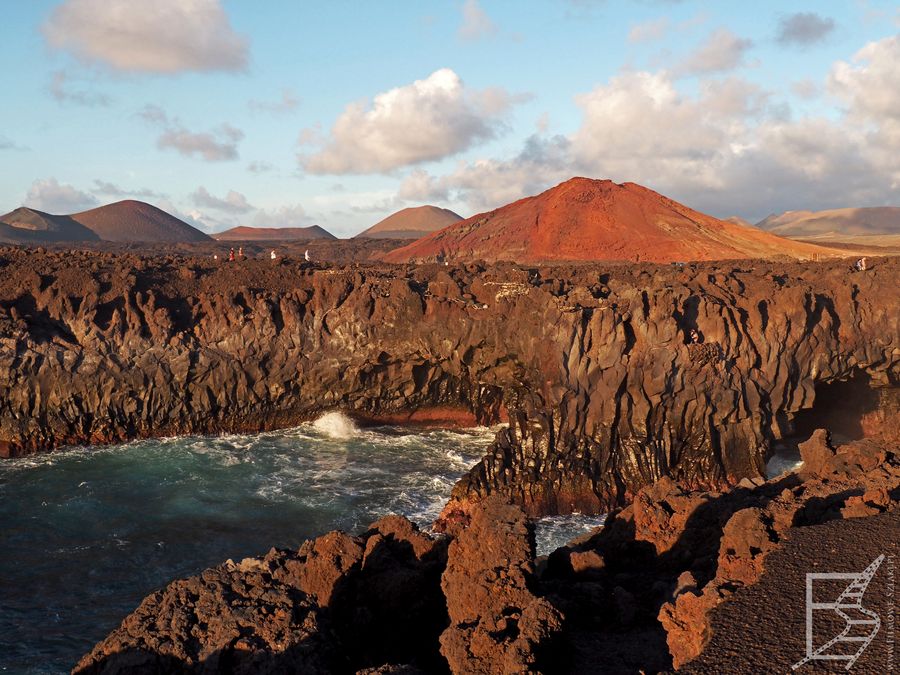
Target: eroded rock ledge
634, 596
611, 377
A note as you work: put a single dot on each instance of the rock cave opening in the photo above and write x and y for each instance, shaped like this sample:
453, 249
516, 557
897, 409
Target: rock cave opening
851, 409
844, 407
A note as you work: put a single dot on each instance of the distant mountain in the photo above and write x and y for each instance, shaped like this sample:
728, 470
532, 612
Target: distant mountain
134, 221
737, 220
412, 223
584, 219
246, 233
25, 225
835, 223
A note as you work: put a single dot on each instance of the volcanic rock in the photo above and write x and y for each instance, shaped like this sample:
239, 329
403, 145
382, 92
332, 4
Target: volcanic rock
246, 233
131, 220
411, 223
497, 625
595, 368
584, 219
29, 226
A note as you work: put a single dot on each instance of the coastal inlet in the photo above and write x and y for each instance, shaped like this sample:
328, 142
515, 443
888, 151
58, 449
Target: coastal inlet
88, 532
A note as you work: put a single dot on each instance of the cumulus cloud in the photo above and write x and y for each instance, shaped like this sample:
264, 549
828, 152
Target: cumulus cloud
488, 183
232, 202
61, 91
293, 215
218, 145
721, 52
427, 120
649, 31
163, 36
803, 29
287, 103
475, 22
728, 147
215, 146
50, 195
112, 190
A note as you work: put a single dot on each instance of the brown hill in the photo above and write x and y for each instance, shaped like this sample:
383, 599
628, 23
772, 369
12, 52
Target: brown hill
835, 223
584, 219
412, 223
131, 220
247, 233
25, 225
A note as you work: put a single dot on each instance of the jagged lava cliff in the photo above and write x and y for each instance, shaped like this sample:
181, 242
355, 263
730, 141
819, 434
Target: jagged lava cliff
594, 367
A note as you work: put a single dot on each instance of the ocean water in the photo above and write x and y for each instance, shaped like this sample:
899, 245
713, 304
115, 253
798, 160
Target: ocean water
87, 533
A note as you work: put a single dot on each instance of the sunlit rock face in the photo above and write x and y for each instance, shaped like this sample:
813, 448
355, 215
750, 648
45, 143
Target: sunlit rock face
610, 376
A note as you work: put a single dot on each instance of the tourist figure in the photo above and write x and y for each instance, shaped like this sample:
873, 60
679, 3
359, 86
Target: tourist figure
306, 255
272, 254
231, 255
861, 265
241, 253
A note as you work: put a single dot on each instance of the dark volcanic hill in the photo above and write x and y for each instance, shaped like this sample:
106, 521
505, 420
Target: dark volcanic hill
25, 225
247, 233
131, 220
585, 219
865, 221
412, 223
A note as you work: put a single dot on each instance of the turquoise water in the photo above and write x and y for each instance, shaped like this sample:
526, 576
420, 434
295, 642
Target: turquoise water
87, 533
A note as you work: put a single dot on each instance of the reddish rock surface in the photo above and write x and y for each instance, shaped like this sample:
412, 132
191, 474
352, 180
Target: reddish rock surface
411, 223
649, 591
131, 220
497, 624
611, 377
584, 219
246, 233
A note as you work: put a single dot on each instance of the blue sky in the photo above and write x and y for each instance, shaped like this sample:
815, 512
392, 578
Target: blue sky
287, 113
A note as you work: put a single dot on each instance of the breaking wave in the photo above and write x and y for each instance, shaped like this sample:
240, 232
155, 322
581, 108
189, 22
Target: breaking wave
335, 425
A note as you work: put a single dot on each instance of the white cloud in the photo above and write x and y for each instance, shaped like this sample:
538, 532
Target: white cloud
723, 51
293, 215
475, 22
59, 89
728, 148
163, 36
803, 29
805, 89
232, 202
421, 186
112, 190
50, 195
427, 120
870, 84
218, 145
287, 103
489, 183
649, 31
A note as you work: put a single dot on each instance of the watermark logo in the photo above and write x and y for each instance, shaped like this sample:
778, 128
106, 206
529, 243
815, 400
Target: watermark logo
861, 625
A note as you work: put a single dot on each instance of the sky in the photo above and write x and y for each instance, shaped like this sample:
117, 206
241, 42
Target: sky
230, 112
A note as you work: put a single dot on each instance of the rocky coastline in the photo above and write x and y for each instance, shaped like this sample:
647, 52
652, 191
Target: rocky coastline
639, 594
611, 376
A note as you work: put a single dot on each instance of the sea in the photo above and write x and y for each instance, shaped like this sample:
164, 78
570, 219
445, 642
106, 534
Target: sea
87, 533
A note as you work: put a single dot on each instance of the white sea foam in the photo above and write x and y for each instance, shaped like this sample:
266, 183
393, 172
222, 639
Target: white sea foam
335, 425
781, 463
552, 532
